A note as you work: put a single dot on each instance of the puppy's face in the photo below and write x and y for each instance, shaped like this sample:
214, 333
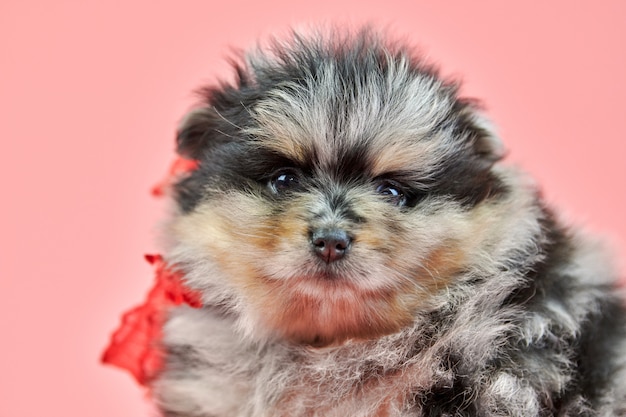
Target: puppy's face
340, 189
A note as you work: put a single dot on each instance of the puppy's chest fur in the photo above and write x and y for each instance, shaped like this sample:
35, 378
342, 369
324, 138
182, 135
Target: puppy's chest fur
414, 372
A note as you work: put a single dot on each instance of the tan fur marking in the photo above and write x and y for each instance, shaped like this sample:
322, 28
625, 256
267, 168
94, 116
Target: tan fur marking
281, 135
297, 151
441, 265
405, 155
340, 312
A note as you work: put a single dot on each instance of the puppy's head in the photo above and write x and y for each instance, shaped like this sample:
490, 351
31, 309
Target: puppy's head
341, 186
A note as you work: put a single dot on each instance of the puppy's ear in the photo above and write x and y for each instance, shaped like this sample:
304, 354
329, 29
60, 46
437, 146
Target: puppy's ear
487, 144
197, 133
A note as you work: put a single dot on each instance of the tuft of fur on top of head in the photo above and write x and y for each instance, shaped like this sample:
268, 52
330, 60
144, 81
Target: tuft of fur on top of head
361, 251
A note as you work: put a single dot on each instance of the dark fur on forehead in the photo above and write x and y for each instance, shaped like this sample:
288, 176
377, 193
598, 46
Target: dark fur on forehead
357, 57
220, 127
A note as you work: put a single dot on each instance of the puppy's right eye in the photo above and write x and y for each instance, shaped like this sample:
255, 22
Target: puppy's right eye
392, 191
285, 180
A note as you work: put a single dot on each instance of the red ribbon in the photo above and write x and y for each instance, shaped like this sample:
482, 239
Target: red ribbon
136, 344
179, 168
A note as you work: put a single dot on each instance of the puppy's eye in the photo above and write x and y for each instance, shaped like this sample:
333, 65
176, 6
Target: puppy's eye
285, 180
392, 192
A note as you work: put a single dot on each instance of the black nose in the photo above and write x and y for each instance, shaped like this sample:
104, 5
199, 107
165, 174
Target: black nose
330, 245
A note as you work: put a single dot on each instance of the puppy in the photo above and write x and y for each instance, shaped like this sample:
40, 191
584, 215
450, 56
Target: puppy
360, 251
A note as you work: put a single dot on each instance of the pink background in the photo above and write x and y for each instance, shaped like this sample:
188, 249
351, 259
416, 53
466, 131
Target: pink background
91, 92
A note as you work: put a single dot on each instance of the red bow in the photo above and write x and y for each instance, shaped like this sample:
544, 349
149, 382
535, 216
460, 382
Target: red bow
178, 169
136, 344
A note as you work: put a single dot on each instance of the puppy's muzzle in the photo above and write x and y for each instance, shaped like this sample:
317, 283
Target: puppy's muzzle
330, 245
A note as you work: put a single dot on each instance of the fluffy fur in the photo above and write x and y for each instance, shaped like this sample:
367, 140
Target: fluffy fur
361, 252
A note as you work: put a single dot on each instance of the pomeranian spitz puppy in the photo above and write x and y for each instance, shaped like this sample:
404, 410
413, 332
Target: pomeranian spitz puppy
361, 251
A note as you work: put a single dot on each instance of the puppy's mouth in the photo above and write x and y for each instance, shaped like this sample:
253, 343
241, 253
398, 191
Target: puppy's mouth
332, 276
328, 307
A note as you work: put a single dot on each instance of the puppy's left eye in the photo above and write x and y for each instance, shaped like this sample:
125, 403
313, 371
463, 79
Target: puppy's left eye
392, 192
284, 180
